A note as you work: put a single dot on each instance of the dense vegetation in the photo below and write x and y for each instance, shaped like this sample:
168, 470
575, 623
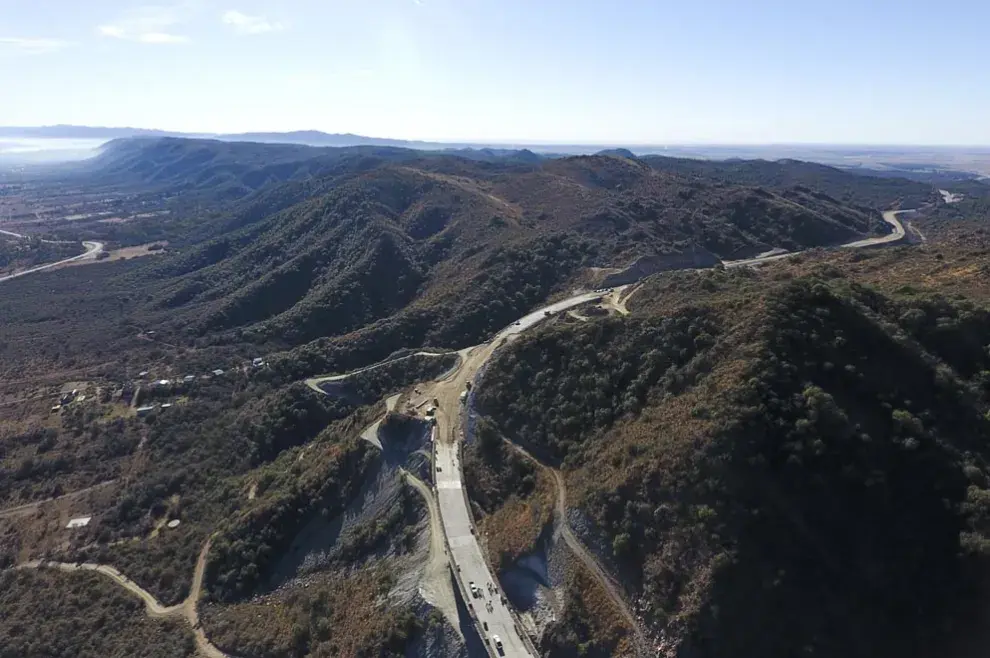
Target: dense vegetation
736, 424
826, 455
860, 189
47, 614
347, 255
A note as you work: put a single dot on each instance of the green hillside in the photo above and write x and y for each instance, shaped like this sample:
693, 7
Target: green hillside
747, 445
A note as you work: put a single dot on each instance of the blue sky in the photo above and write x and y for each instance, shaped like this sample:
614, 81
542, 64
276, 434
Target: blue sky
577, 71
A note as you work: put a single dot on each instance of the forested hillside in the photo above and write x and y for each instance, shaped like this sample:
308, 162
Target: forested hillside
847, 187
807, 443
736, 423
48, 614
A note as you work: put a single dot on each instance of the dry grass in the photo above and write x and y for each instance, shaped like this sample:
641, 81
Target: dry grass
515, 528
590, 606
340, 616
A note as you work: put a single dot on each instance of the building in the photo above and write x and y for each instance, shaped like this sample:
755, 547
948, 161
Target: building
80, 522
144, 411
218, 372
167, 405
258, 362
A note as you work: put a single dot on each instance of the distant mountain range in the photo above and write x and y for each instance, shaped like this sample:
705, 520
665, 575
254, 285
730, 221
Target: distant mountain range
305, 137
929, 163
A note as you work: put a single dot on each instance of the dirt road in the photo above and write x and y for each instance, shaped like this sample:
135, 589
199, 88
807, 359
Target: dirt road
28, 508
435, 584
466, 555
314, 382
151, 604
612, 588
186, 609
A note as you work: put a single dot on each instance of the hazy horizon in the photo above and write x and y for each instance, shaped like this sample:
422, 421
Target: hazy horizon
501, 143
714, 72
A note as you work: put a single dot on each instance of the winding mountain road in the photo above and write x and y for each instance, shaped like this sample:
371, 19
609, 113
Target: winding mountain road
467, 560
889, 216
315, 382
154, 609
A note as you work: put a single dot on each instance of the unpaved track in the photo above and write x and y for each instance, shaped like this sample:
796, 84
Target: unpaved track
28, 508
435, 585
447, 390
314, 382
612, 588
186, 609
466, 556
151, 604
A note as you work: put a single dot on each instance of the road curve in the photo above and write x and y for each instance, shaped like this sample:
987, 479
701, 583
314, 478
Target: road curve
466, 555
93, 249
889, 216
151, 604
314, 382
154, 609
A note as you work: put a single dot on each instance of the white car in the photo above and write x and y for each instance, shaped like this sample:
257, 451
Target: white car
498, 643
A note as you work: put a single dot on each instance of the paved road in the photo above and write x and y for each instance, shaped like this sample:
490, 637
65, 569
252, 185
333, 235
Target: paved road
93, 249
435, 585
890, 216
466, 554
314, 382
467, 557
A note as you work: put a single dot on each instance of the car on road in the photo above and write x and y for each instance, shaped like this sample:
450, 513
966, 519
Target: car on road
474, 589
485, 625
498, 644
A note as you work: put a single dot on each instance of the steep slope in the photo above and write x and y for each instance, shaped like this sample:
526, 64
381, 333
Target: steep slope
223, 170
461, 247
749, 452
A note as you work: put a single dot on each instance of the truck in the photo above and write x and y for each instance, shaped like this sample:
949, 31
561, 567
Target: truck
464, 395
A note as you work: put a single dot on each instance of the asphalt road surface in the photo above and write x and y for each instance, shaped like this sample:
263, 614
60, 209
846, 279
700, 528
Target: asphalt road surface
467, 558
93, 249
889, 216
466, 555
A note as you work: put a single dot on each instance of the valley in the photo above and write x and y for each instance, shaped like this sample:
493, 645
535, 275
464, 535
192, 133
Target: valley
586, 363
